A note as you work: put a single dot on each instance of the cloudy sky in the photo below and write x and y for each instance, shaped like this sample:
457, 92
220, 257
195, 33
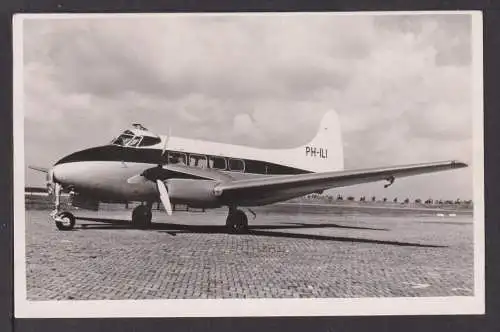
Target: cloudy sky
401, 85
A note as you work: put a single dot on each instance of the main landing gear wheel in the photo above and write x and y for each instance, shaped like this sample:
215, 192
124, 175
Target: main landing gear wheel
237, 222
141, 216
65, 221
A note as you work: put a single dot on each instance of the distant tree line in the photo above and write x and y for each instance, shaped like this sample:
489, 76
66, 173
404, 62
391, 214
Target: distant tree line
362, 198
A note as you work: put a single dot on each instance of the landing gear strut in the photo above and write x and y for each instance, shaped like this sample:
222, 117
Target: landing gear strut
141, 216
65, 221
237, 221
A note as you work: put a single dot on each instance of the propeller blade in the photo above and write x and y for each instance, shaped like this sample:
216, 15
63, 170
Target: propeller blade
165, 199
50, 188
136, 179
164, 147
166, 142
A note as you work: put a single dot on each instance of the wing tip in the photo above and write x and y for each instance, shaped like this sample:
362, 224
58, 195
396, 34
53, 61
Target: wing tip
458, 164
39, 169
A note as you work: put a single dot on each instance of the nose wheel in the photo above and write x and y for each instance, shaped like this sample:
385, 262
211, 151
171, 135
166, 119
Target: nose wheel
65, 221
237, 222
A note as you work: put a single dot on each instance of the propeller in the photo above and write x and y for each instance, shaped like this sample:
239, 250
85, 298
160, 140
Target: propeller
143, 178
136, 179
49, 182
166, 141
152, 174
49, 177
165, 199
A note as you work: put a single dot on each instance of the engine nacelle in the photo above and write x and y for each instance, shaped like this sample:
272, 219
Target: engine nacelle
83, 202
194, 193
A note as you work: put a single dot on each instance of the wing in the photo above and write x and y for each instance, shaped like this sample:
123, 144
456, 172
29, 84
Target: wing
39, 169
273, 189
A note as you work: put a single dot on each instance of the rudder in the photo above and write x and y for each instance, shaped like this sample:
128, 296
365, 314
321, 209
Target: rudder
325, 151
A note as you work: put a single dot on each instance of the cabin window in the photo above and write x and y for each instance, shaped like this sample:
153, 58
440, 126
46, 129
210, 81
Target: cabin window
217, 162
148, 141
177, 158
196, 160
236, 165
256, 167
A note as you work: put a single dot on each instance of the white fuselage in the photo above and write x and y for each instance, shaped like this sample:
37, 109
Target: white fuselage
102, 172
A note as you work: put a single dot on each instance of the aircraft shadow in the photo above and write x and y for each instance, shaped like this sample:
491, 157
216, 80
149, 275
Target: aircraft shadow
207, 228
256, 230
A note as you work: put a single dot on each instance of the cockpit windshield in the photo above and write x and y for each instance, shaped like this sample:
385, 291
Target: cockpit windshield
122, 140
130, 139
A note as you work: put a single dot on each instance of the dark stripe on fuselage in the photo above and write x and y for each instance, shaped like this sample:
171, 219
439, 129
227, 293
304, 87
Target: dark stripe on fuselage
154, 157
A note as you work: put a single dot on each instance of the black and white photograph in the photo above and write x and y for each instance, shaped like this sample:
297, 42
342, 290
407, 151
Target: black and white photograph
248, 164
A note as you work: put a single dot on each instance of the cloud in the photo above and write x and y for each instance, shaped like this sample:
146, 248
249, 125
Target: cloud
401, 84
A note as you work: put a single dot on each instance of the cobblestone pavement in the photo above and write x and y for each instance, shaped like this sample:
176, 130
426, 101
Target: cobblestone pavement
284, 255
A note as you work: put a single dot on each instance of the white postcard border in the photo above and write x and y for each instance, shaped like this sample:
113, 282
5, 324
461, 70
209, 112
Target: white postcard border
248, 307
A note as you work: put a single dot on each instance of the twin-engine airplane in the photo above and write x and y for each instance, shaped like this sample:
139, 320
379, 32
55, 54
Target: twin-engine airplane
144, 167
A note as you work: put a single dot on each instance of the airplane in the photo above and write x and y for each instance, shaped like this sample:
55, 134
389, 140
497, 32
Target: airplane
141, 166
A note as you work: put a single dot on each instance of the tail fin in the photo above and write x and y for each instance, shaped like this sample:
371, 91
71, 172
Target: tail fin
325, 151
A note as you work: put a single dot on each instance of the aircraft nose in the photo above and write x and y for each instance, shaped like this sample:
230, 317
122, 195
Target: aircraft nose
69, 169
61, 173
